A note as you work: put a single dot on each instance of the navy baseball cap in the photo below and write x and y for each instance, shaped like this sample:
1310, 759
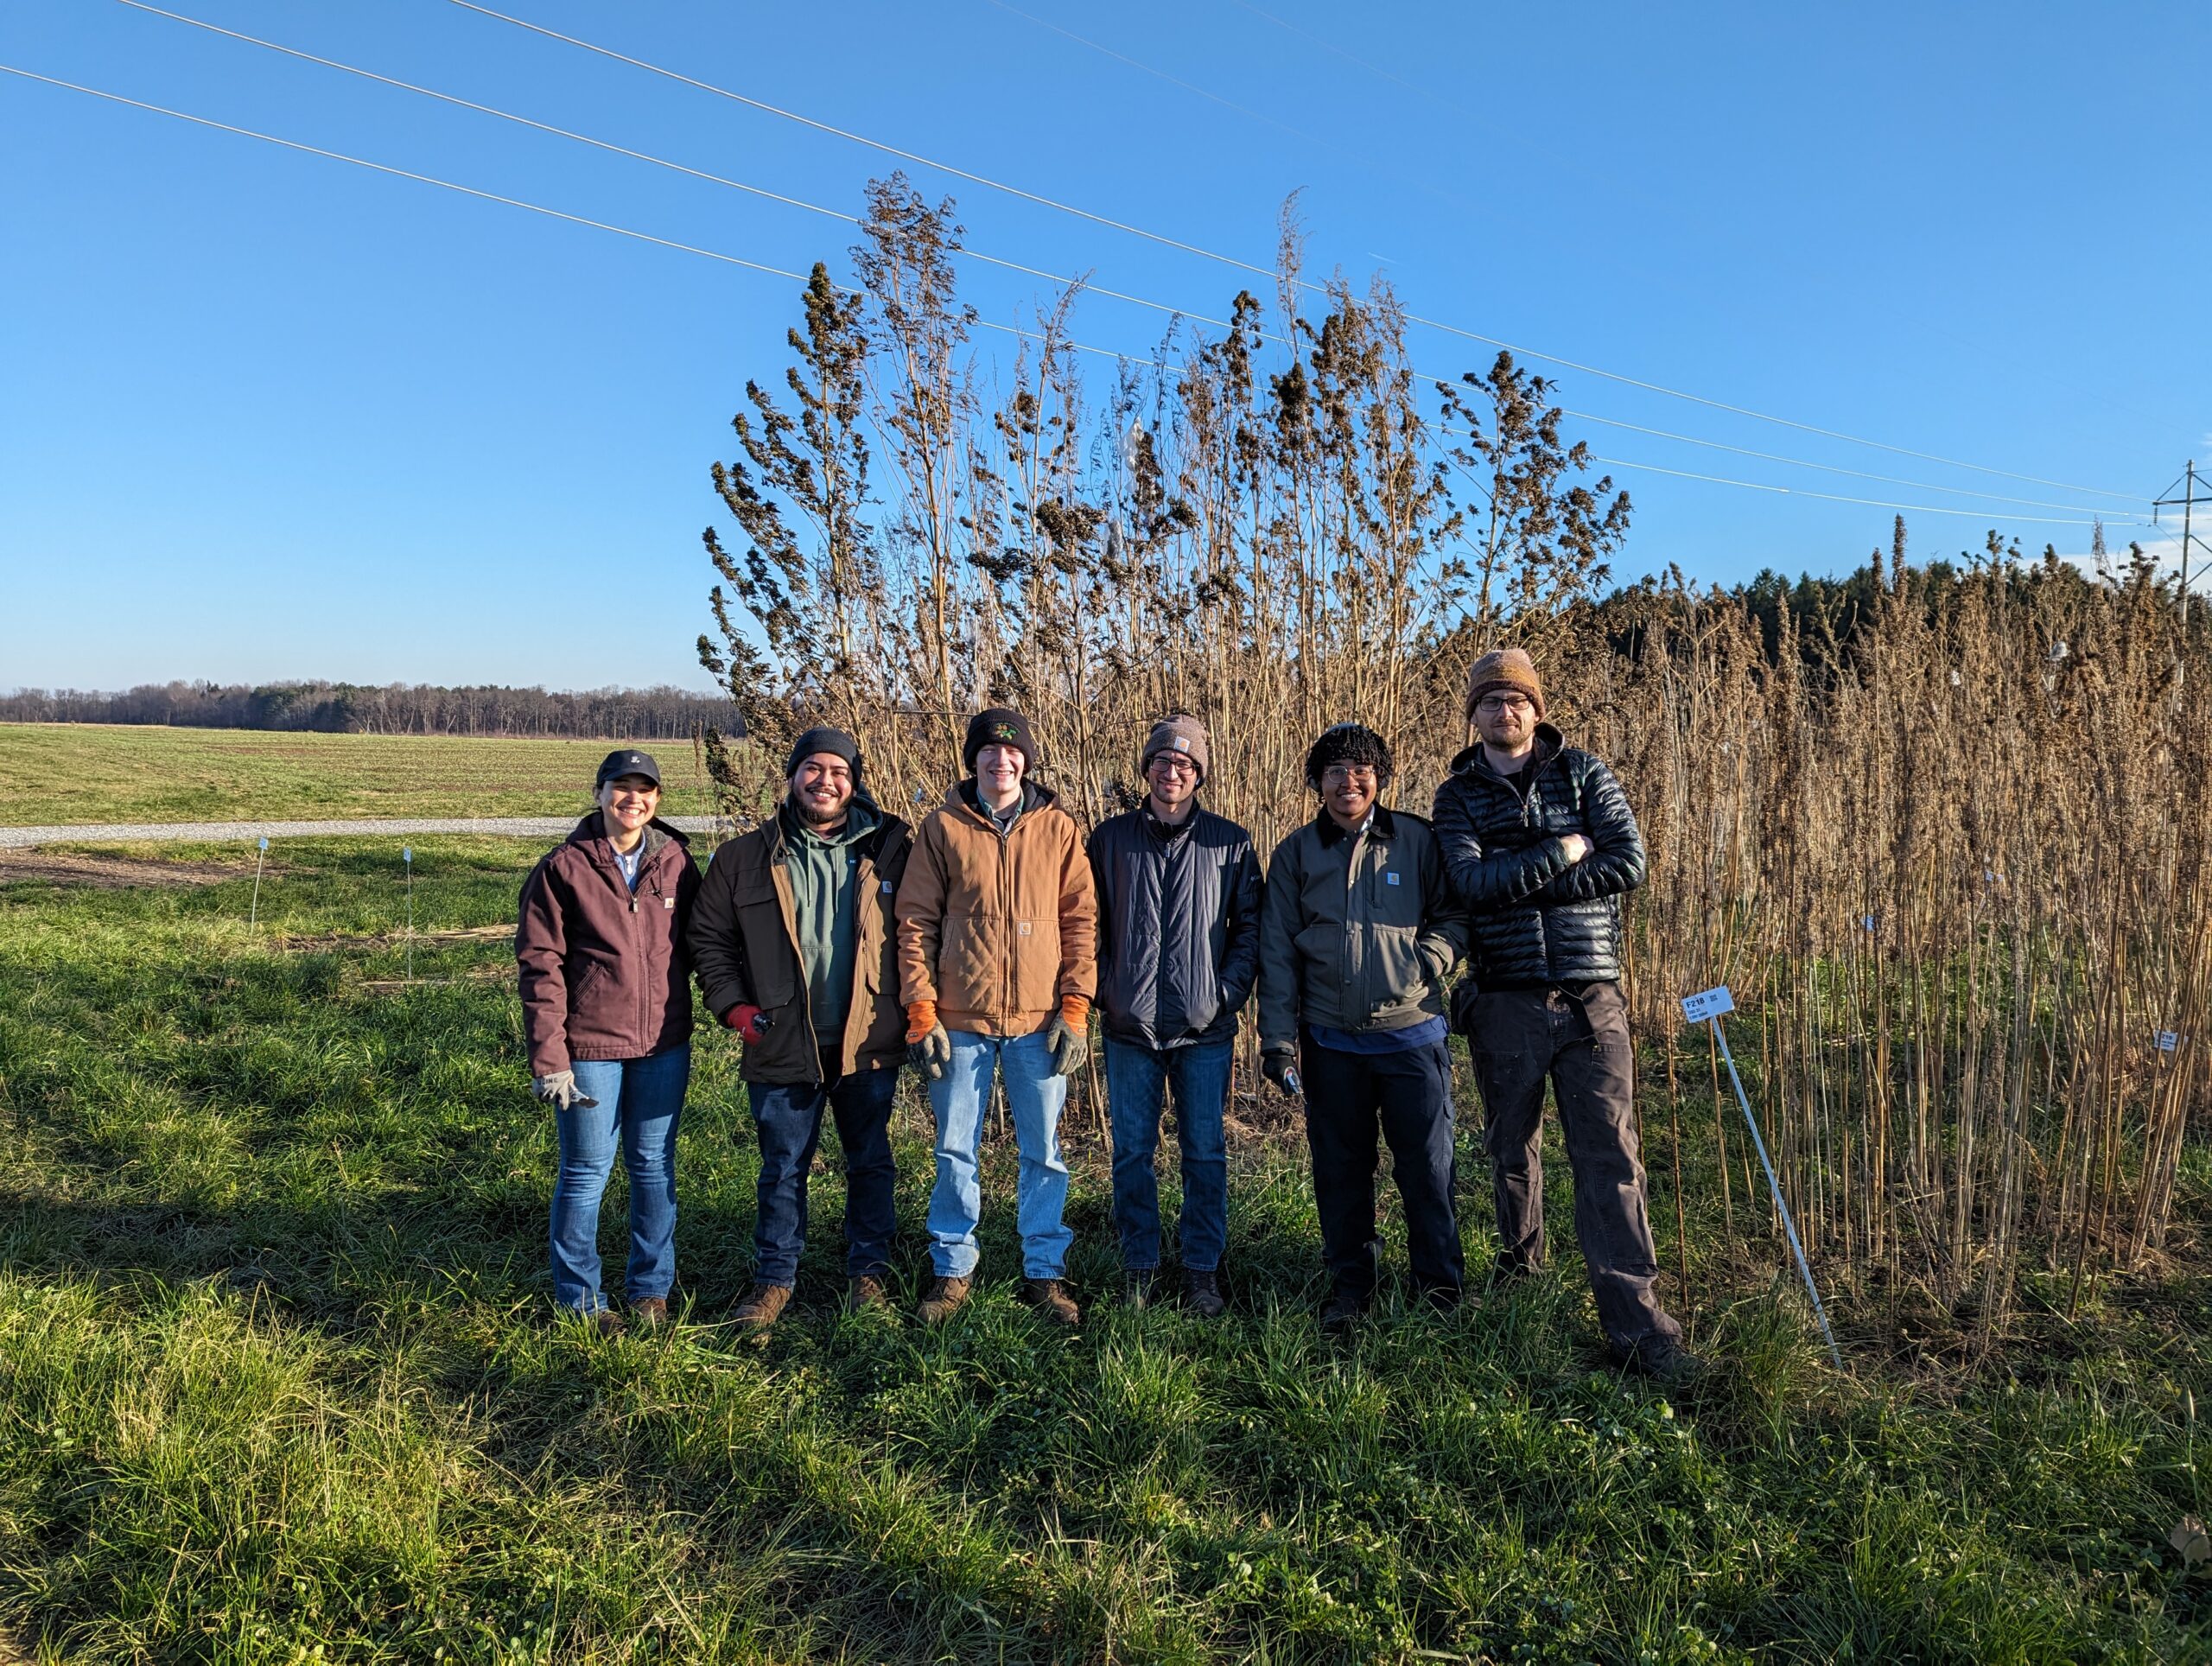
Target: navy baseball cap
627, 762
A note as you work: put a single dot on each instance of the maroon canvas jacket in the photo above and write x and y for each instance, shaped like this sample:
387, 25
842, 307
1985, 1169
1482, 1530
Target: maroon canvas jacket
605, 974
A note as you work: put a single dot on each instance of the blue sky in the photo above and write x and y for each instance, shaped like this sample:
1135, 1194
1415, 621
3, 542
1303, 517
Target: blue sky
262, 415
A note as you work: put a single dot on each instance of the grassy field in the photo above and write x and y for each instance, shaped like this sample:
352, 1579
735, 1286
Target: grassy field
280, 1382
60, 774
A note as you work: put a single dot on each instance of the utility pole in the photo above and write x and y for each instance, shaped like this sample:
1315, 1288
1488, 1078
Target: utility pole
2189, 483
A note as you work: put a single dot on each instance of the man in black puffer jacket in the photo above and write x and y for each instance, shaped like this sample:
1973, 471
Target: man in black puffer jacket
1179, 951
1540, 844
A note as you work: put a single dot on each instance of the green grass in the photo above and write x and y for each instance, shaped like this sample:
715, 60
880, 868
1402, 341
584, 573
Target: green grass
279, 1381
68, 774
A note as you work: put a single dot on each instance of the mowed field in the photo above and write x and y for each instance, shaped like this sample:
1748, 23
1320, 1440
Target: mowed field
281, 1382
61, 774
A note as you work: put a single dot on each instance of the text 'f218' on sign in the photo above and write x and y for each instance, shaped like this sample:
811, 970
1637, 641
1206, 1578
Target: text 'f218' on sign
1708, 1003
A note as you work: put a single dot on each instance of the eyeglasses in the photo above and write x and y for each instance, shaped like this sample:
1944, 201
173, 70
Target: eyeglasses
1168, 763
1348, 775
1492, 704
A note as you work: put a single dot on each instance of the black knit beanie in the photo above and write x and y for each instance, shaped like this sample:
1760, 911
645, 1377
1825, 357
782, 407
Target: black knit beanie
835, 741
999, 727
1349, 743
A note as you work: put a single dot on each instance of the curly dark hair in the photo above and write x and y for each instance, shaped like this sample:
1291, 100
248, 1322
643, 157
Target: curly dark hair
1349, 743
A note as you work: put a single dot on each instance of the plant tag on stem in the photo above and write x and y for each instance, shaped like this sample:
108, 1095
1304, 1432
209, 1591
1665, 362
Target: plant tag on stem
1708, 1003
2168, 1040
264, 842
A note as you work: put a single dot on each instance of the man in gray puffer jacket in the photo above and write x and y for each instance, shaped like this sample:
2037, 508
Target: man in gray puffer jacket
1179, 951
1540, 844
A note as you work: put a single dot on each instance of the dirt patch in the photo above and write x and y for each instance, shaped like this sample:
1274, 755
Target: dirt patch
337, 942
35, 865
399, 985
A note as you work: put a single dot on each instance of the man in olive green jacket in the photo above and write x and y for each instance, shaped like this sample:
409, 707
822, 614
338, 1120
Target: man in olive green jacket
1358, 934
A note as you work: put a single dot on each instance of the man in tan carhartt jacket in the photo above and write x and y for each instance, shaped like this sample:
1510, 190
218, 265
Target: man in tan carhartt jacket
997, 921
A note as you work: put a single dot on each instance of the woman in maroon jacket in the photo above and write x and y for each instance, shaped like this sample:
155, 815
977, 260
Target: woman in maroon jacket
607, 1011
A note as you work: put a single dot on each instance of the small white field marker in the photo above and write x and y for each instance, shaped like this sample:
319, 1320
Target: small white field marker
1706, 1008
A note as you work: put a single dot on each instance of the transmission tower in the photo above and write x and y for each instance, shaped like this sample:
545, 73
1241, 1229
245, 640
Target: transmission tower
2187, 503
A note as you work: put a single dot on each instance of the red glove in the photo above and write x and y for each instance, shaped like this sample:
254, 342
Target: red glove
750, 1022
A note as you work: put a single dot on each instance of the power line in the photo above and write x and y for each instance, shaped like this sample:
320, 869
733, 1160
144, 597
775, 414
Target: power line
1243, 265
1831, 496
857, 138
1210, 97
405, 174
641, 156
1832, 468
1531, 353
975, 254
512, 202
785, 272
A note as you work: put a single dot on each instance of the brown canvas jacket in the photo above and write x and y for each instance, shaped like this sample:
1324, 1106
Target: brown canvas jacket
997, 929
604, 970
744, 942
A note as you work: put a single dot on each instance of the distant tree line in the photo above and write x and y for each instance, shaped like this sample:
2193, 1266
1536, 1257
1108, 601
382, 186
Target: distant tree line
660, 712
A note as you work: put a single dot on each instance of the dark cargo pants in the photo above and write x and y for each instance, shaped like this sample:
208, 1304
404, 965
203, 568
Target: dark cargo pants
1407, 1096
1519, 1037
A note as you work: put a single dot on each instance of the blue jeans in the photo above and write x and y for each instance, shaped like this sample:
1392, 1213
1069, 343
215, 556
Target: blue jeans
1034, 1096
640, 1101
1136, 1081
788, 1120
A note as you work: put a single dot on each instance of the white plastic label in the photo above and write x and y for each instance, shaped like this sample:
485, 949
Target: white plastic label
2168, 1040
264, 842
1708, 1003
406, 853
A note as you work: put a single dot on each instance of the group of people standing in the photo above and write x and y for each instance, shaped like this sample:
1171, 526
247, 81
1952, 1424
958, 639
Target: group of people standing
840, 944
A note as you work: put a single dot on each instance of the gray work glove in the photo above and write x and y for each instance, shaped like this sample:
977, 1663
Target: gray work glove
1280, 1065
932, 1054
560, 1090
1069, 1046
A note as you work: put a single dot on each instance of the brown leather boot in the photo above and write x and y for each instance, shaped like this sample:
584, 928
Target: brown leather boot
1202, 1294
946, 1297
652, 1312
1049, 1297
1341, 1312
606, 1322
762, 1306
867, 1295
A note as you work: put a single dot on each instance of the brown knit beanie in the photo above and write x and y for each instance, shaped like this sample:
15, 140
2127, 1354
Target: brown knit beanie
1505, 668
1178, 731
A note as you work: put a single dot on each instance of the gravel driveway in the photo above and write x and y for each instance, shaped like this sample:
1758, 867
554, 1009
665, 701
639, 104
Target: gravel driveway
216, 832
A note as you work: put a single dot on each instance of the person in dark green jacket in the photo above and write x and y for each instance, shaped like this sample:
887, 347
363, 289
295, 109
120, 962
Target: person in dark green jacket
1358, 934
797, 951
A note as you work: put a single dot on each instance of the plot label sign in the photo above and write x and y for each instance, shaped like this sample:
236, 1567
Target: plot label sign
1709, 1003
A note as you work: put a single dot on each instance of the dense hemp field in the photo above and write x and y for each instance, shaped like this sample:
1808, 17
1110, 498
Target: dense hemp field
279, 1381
1944, 828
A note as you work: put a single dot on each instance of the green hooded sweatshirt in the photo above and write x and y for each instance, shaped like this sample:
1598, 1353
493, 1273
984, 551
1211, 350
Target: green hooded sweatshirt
824, 902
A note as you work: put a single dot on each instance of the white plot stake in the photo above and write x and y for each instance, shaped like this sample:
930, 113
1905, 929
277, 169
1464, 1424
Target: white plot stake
253, 909
406, 856
1706, 1008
